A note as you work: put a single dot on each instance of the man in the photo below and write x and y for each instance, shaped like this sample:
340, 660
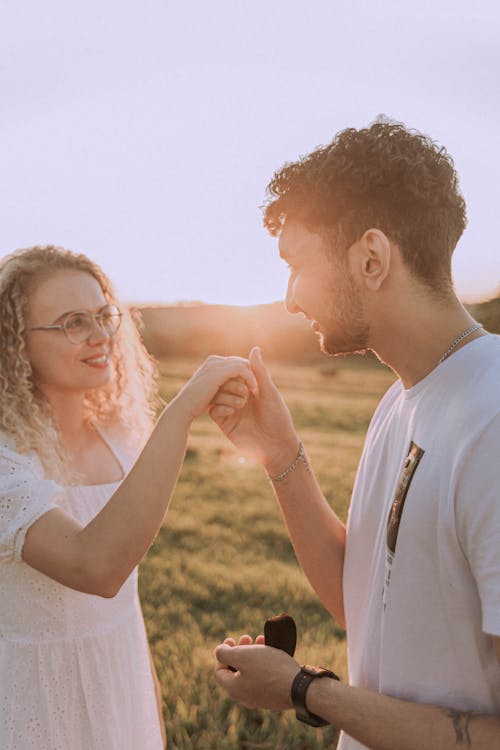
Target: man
367, 226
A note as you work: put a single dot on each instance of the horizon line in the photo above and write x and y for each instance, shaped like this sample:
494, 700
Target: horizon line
466, 299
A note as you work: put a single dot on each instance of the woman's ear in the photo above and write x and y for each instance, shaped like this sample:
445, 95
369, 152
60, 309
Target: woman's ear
371, 259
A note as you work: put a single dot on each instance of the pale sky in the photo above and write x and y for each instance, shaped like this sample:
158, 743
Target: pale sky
144, 133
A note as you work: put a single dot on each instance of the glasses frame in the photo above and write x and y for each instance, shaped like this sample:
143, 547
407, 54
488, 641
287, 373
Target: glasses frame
96, 319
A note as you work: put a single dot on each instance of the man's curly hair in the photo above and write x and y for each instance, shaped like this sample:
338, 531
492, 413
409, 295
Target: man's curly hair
385, 177
127, 402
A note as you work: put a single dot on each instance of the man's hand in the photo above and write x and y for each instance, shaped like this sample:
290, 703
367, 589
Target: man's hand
199, 392
264, 677
263, 427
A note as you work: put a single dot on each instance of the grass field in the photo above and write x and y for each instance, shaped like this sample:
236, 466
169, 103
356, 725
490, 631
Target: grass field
222, 563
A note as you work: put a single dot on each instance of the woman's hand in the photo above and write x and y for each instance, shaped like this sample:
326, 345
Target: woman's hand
197, 395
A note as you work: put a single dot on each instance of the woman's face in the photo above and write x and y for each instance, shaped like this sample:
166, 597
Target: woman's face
59, 366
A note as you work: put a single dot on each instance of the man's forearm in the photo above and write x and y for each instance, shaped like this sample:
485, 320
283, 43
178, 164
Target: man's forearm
381, 722
317, 535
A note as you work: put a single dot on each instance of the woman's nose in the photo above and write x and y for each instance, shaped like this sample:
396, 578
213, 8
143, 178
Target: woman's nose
98, 334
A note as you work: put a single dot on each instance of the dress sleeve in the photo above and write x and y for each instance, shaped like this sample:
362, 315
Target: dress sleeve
25, 496
478, 521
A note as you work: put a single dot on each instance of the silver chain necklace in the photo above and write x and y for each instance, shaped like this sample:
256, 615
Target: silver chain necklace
463, 335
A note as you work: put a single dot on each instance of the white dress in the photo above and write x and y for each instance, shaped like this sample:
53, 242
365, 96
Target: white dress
74, 668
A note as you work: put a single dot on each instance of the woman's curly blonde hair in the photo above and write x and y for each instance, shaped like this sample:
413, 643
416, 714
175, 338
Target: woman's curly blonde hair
127, 402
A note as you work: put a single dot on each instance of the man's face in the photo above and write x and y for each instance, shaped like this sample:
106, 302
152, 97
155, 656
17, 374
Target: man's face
322, 287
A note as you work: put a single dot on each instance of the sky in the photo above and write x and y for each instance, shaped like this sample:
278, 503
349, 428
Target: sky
144, 133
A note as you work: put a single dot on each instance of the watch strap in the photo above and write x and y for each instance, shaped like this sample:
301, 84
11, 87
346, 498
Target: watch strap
300, 686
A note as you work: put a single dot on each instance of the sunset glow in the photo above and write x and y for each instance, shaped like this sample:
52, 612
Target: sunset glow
144, 134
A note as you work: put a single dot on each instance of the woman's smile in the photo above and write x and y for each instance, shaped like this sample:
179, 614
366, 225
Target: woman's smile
100, 361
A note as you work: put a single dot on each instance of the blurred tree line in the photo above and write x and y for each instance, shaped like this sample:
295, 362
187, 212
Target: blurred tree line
197, 330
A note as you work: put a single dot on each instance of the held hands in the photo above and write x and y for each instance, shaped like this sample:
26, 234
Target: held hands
196, 396
259, 424
264, 674
244, 402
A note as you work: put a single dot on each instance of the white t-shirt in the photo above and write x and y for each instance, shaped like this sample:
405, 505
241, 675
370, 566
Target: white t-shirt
422, 561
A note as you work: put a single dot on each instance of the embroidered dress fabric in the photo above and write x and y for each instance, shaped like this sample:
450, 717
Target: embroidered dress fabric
75, 671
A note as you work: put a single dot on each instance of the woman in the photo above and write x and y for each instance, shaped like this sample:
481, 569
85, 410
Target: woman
80, 504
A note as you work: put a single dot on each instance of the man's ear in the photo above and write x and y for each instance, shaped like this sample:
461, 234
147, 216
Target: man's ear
370, 258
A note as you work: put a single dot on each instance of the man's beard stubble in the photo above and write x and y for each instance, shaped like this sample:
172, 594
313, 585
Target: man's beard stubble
352, 331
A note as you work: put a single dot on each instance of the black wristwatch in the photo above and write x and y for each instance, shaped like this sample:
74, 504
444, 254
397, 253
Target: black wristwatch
300, 686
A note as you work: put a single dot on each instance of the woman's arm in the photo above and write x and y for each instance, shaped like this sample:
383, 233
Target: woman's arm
99, 557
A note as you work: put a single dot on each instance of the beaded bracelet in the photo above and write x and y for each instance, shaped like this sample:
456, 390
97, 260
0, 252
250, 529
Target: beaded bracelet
300, 458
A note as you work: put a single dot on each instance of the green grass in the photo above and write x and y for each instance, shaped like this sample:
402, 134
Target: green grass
222, 562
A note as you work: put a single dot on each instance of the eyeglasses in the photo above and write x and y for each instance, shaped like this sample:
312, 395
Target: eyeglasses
78, 325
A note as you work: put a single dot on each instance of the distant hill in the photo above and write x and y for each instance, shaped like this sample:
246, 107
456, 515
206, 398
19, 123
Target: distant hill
197, 330
487, 313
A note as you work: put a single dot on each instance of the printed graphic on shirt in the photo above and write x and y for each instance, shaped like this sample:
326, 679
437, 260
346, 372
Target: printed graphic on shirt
411, 462
409, 467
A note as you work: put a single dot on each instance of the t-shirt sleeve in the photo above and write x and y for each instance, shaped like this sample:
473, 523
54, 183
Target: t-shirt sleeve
25, 496
478, 521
